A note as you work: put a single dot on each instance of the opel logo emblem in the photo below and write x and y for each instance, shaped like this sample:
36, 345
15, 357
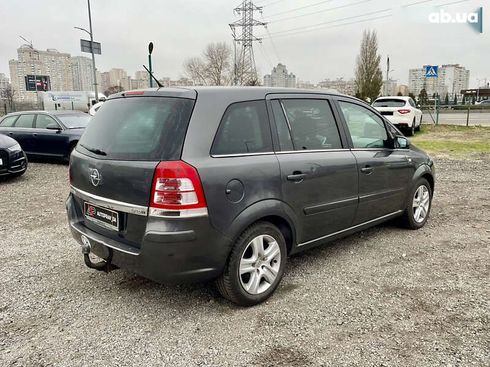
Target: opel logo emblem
95, 177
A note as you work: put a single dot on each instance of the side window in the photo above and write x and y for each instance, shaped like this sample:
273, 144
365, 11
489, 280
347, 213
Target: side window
283, 130
412, 103
244, 128
366, 129
42, 121
25, 121
8, 121
312, 124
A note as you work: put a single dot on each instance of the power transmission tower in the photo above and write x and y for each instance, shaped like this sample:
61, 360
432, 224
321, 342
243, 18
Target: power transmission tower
244, 72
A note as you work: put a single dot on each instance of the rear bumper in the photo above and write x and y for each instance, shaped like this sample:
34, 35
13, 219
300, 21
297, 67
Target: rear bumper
401, 121
171, 250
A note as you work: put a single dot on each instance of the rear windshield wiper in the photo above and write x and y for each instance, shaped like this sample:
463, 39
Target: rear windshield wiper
94, 150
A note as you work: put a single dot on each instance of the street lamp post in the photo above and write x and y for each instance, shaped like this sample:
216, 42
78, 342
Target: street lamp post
478, 90
150, 50
91, 34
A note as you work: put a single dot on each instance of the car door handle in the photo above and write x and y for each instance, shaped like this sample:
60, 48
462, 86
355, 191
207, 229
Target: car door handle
367, 170
11, 133
34, 134
296, 176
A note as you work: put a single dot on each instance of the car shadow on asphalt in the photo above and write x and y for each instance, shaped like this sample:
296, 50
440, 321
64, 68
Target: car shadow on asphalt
57, 161
187, 296
12, 179
25, 176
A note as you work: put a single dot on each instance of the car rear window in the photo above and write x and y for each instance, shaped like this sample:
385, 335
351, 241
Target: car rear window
138, 128
389, 103
74, 121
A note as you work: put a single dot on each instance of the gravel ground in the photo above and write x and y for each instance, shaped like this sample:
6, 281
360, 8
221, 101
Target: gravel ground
384, 297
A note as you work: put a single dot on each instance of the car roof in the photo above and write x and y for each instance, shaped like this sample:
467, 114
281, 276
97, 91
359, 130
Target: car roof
238, 92
55, 113
405, 98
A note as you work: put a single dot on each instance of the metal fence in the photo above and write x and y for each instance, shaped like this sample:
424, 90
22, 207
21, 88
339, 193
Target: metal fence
457, 114
6, 107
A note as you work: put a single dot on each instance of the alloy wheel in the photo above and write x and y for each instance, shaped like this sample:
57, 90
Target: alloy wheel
259, 264
421, 203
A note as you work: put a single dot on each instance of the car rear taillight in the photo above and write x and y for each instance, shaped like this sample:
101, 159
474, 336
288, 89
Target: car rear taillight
177, 191
403, 111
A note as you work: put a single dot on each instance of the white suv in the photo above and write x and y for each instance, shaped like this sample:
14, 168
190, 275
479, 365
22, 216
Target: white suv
401, 112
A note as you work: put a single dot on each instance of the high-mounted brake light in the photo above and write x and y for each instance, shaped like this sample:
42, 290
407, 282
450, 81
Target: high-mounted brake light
134, 93
177, 191
403, 111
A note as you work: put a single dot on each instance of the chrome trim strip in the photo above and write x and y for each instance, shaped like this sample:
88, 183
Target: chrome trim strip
279, 152
313, 151
240, 154
109, 203
372, 149
134, 253
348, 229
179, 213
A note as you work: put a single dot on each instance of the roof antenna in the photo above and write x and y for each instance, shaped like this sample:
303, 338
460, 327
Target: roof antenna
160, 85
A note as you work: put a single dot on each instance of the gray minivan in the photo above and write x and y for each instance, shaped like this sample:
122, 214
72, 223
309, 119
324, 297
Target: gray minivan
224, 183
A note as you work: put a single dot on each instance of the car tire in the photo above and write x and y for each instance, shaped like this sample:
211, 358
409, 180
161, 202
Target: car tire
255, 266
418, 206
19, 174
411, 129
70, 150
417, 128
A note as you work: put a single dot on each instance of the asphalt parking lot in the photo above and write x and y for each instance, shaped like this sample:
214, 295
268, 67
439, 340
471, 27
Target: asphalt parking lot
384, 297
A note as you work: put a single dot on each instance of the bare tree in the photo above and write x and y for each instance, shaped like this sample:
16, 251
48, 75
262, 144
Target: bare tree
253, 82
369, 78
113, 89
195, 69
214, 67
218, 60
8, 94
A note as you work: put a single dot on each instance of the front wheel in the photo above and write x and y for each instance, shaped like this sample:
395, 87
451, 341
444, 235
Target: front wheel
418, 207
255, 266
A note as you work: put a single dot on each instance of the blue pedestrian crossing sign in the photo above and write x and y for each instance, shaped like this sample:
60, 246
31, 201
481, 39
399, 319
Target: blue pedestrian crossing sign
431, 71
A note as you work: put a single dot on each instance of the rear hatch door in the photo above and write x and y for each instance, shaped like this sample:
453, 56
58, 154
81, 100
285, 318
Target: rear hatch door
111, 171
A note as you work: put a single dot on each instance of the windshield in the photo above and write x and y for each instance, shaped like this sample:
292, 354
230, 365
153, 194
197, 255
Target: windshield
138, 128
74, 121
389, 103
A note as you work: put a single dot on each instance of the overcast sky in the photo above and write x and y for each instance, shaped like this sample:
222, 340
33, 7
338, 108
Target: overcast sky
182, 28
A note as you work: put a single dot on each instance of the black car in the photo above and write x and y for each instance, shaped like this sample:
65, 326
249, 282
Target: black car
224, 183
51, 134
13, 160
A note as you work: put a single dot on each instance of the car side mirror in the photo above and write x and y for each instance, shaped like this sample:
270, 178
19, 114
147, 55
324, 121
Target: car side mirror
53, 126
402, 142
418, 105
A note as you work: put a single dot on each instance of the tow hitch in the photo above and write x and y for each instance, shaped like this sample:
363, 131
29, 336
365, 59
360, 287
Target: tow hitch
104, 265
